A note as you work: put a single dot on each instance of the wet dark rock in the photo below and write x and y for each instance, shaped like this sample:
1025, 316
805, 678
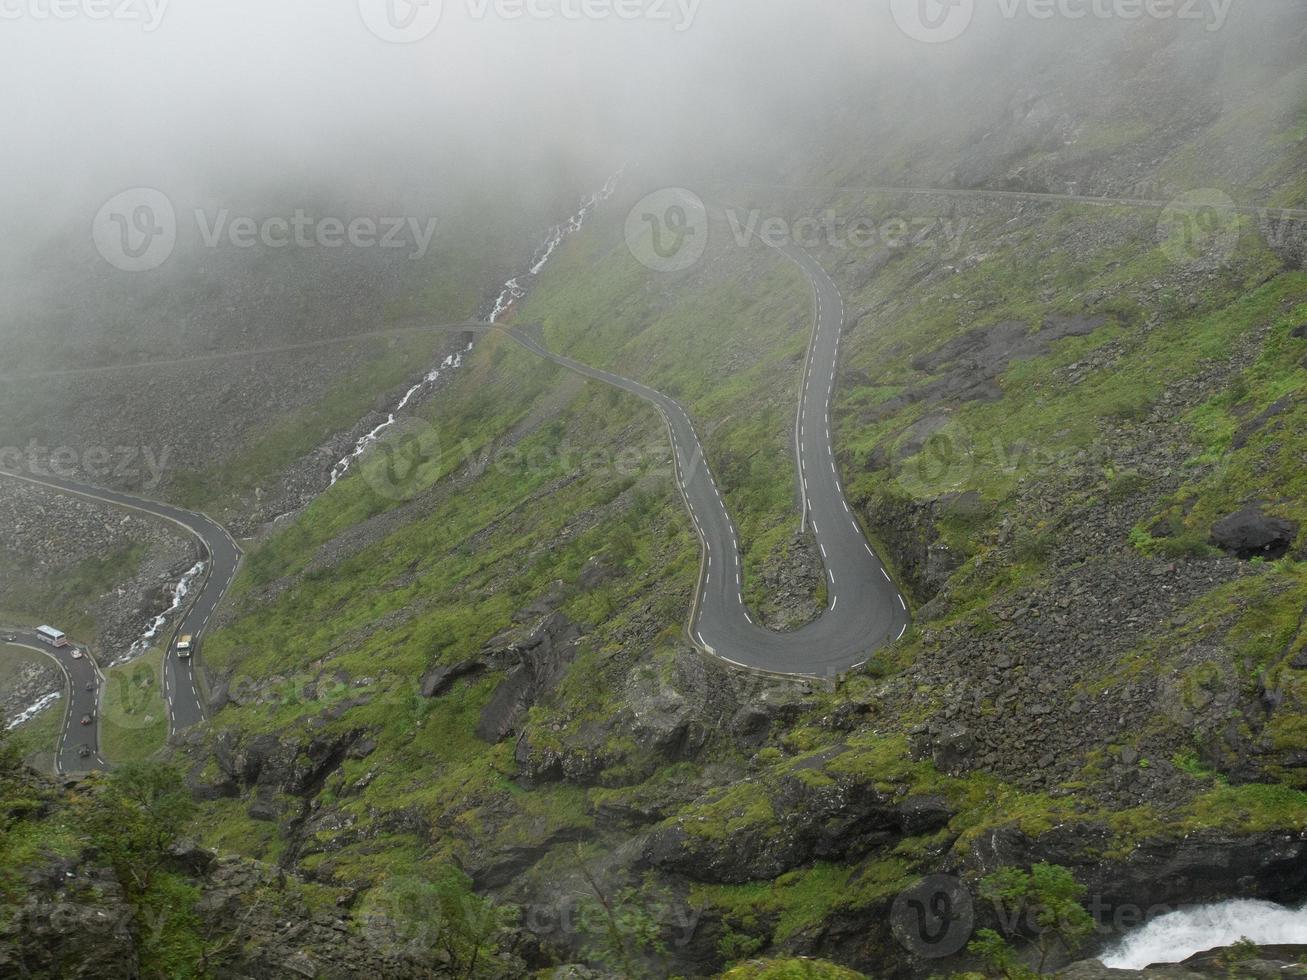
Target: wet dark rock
1213, 964
57, 933
263, 809
910, 530
1250, 533
543, 605
541, 663
923, 814
967, 366
952, 751
968, 504
1205, 866
190, 857
751, 724
595, 573
505, 864
271, 765
437, 682
1255, 424
361, 749
840, 821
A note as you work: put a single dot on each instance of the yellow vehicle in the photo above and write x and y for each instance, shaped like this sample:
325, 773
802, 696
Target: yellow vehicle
185, 646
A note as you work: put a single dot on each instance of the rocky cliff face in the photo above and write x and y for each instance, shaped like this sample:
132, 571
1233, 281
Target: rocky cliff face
74, 921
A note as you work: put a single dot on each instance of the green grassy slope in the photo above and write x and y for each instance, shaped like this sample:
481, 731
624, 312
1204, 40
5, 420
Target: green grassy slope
526, 474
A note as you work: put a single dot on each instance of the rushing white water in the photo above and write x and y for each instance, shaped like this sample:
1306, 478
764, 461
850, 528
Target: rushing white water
179, 593
512, 291
1176, 936
509, 295
27, 714
340, 469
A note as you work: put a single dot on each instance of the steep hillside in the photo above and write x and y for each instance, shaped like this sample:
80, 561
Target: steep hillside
1070, 413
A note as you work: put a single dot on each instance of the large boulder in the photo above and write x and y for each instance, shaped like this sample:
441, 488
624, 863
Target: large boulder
1250, 533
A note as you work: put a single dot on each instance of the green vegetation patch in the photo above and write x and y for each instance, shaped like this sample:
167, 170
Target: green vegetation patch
133, 717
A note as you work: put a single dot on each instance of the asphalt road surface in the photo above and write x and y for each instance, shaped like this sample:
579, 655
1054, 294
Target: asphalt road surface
83, 683
865, 610
222, 556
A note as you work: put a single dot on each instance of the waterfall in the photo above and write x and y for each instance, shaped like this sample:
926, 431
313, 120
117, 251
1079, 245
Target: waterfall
179, 593
1176, 936
27, 714
512, 291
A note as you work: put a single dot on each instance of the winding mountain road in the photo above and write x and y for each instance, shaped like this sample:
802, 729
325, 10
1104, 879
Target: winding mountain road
865, 609
82, 680
222, 556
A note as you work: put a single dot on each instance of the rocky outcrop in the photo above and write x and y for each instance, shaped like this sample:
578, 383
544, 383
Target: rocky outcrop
437, 681
909, 529
1251, 533
1164, 872
1254, 425
541, 662
271, 764
661, 718
812, 822
1266, 963
73, 921
32, 682
790, 576
967, 368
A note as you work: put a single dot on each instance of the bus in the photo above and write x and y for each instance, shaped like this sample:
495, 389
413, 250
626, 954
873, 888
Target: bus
52, 636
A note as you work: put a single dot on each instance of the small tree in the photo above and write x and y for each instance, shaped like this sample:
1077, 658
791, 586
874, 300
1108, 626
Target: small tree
134, 816
628, 930
999, 956
1049, 898
445, 914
